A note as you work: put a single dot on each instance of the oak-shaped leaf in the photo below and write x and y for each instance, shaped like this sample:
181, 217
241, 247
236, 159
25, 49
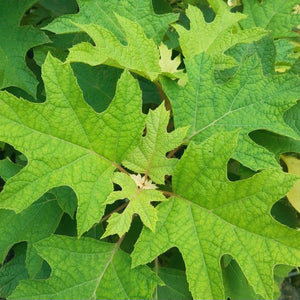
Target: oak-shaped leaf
249, 101
209, 216
149, 157
277, 16
67, 143
84, 269
103, 13
36, 222
139, 203
15, 41
140, 54
215, 37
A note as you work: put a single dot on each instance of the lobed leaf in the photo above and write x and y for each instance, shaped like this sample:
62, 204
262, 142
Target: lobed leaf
103, 13
139, 54
15, 41
216, 37
277, 16
209, 216
150, 155
249, 101
83, 269
68, 143
139, 202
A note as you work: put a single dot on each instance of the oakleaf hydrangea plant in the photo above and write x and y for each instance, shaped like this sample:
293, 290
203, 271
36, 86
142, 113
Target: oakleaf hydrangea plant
149, 149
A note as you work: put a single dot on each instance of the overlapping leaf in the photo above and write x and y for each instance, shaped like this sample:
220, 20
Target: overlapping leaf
150, 155
139, 203
15, 41
98, 271
209, 216
33, 224
139, 55
277, 16
68, 143
216, 37
13, 271
249, 101
103, 13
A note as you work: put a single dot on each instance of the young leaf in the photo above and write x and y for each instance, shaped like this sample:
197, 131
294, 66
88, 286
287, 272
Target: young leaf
215, 37
277, 16
249, 101
139, 202
68, 143
84, 269
209, 216
150, 155
140, 54
103, 13
15, 41
169, 66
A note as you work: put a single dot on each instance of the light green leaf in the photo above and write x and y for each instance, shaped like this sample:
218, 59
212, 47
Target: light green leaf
215, 37
68, 143
209, 216
169, 66
140, 54
103, 13
249, 101
277, 16
15, 41
150, 155
95, 266
139, 202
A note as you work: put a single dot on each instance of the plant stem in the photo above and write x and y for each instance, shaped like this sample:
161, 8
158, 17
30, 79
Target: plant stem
156, 271
116, 210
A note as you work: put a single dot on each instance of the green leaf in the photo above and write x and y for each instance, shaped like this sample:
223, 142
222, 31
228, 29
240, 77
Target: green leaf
98, 84
103, 13
275, 143
66, 199
175, 287
215, 37
139, 202
249, 101
150, 155
68, 143
277, 16
13, 271
265, 51
209, 216
95, 266
140, 54
236, 285
8, 168
33, 224
15, 41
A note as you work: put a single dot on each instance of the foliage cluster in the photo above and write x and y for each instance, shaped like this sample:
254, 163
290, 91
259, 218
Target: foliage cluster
147, 148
